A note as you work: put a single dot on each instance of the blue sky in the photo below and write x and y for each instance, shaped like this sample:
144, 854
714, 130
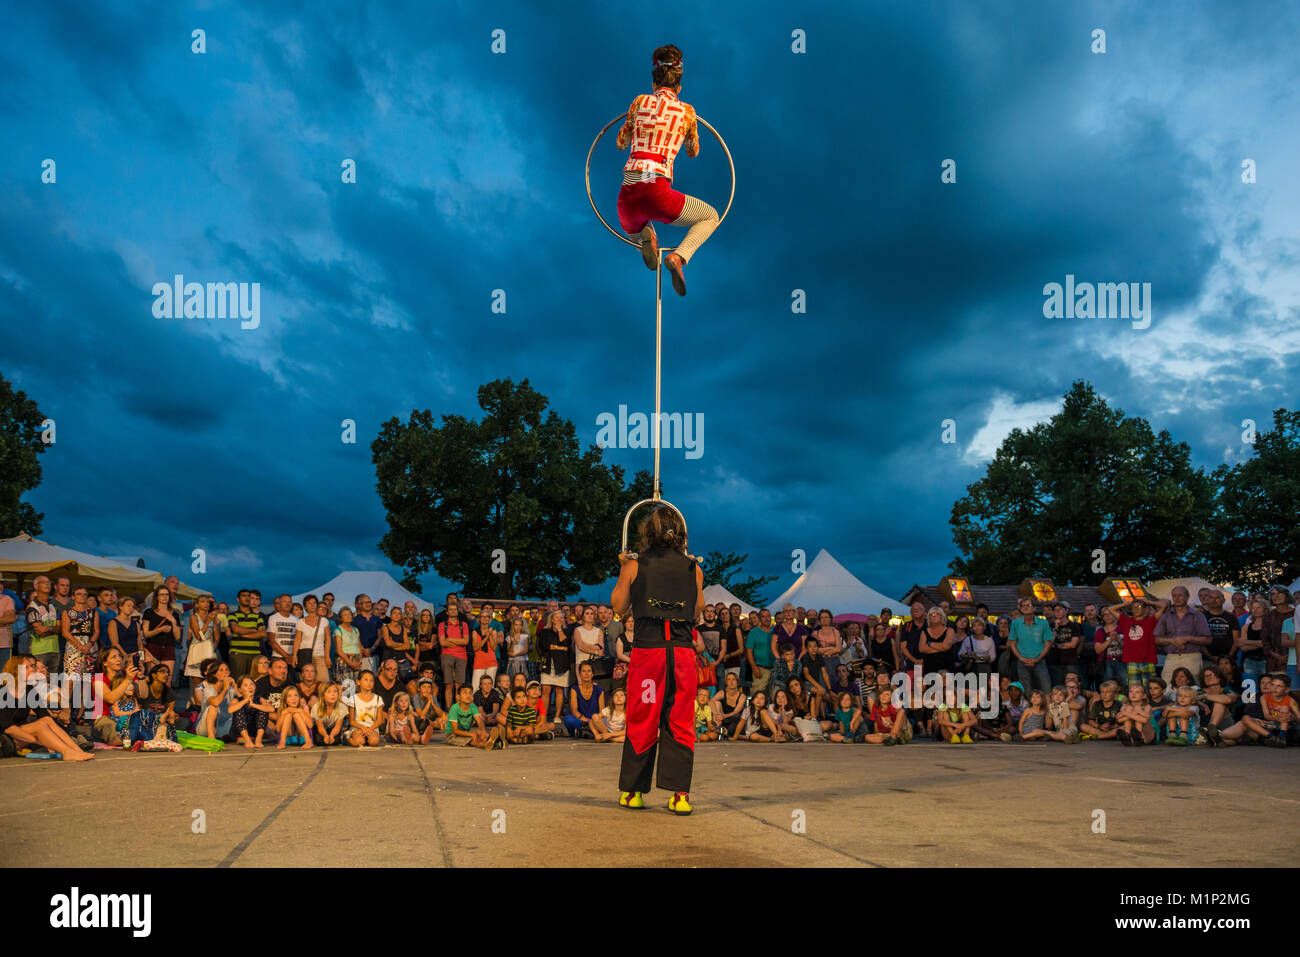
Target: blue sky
822, 430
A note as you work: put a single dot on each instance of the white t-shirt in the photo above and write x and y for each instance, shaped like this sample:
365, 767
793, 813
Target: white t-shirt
280, 630
316, 639
614, 722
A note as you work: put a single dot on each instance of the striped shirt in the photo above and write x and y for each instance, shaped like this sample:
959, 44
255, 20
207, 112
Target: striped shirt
243, 644
518, 717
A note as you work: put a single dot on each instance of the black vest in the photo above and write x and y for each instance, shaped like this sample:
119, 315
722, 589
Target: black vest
664, 591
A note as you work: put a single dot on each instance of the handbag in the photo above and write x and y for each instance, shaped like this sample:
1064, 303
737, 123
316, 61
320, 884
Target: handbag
706, 674
809, 730
601, 667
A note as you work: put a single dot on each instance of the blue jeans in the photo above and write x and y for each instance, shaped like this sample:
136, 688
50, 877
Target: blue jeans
1035, 677
5, 654
1115, 671
1254, 668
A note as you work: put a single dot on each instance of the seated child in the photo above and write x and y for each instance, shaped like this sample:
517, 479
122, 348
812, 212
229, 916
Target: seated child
123, 708
1183, 719
1103, 717
521, 720
890, 722
1135, 725
611, 724
1060, 717
706, 722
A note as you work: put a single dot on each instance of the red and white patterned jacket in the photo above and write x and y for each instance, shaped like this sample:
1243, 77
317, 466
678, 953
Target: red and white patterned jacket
657, 125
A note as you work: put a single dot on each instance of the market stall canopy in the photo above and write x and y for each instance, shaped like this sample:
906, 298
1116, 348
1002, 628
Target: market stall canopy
828, 584
29, 557
716, 593
346, 586
1164, 587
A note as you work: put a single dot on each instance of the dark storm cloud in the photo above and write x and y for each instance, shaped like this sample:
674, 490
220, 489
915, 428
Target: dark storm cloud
821, 429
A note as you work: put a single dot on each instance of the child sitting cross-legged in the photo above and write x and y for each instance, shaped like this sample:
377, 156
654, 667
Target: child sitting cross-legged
1183, 718
521, 720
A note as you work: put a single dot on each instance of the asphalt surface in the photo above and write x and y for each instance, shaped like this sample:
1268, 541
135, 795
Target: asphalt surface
760, 805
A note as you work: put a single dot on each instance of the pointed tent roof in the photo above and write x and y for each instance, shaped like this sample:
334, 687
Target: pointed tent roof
346, 586
828, 584
716, 593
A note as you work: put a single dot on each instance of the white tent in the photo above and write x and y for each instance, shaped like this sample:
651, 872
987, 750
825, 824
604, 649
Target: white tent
346, 586
29, 557
828, 584
716, 593
1165, 587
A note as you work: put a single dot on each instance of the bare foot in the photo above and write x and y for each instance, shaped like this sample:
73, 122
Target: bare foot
77, 755
306, 745
280, 746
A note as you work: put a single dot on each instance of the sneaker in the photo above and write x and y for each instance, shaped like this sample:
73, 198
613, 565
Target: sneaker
1072, 737
966, 738
955, 740
1275, 741
1213, 736
891, 740
546, 736
1006, 738
1123, 737
1085, 736
631, 799
1174, 741
678, 804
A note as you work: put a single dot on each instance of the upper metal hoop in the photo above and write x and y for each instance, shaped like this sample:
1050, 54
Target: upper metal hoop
619, 233
651, 501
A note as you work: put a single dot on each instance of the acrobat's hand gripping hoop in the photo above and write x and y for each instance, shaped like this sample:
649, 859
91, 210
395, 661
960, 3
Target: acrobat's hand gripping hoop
659, 275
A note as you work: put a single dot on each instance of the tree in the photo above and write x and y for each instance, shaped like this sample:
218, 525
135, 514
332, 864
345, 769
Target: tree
21, 424
1257, 519
1090, 478
507, 506
724, 570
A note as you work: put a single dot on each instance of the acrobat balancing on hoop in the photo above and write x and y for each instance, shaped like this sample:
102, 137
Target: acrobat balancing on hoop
658, 124
660, 587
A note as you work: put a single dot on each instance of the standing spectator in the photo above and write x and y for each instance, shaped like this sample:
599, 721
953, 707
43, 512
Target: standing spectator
484, 641
394, 644
424, 635
758, 651
1139, 630
367, 624
247, 630
829, 640
8, 615
1250, 642
1240, 607
281, 628
347, 649
80, 627
938, 642
162, 629
1067, 638
43, 626
910, 637
1108, 645
517, 644
1031, 637
975, 654
452, 598
1223, 626
731, 645
790, 630
1182, 632
1279, 613
61, 598
453, 642
106, 609
202, 639
883, 648
311, 640
555, 647
589, 643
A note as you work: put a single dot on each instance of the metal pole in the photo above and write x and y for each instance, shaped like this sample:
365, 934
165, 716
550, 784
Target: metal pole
659, 324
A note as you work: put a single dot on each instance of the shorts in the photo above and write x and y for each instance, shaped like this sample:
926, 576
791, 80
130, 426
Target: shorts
454, 670
701, 730
1140, 672
555, 681
638, 203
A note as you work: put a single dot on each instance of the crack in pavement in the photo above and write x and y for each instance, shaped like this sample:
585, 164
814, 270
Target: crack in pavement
266, 822
433, 804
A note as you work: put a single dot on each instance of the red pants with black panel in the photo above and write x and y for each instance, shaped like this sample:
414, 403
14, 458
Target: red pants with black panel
660, 718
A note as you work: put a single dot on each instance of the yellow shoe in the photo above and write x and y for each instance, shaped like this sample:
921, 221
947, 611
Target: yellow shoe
630, 799
678, 804
955, 740
965, 738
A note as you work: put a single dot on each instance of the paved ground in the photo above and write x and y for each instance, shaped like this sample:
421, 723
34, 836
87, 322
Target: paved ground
923, 804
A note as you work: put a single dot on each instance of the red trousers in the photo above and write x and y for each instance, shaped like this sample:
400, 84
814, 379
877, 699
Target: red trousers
638, 203
660, 717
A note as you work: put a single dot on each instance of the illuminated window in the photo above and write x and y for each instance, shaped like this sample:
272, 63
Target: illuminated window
1122, 590
1135, 589
960, 590
1043, 591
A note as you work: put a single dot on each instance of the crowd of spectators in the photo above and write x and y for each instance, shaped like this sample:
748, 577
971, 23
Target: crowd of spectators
1217, 672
